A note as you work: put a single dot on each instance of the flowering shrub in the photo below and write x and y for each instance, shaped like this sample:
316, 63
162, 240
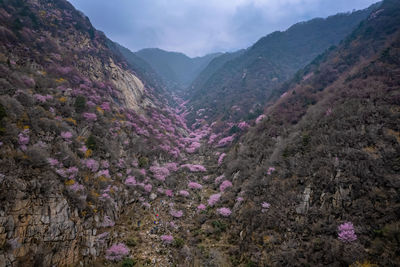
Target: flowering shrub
270, 170
130, 181
76, 187
219, 179
194, 168
224, 212
243, 125
193, 147
346, 232
66, 135
160, 173
90, 116
194, 185
212, 138
201, 207
225, 141
72, 171
52, 162
225, 184
221, 158
169, 193
107, 222
117, 252
105, 106
176, 213
23, 139
260, 118
92, 165
171, 166
213, 199
104, 173
184, 193
148, 187
265, 205
167, 239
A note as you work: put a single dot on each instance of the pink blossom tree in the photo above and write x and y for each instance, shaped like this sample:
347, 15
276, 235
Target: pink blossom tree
346, 232
224, 212
117, 252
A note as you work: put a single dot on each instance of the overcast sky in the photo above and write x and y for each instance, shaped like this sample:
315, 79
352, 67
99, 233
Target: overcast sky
198, 27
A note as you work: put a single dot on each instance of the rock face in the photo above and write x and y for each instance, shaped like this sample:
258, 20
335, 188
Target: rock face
33, 223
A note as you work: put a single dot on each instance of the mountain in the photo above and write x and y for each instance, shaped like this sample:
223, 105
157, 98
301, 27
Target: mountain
177, 70
240, 88
80, 128
316, 181
211, 68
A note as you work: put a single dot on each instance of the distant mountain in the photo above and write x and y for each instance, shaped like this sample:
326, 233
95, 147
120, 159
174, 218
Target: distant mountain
213, 67
177, 70
325, 160
246, 82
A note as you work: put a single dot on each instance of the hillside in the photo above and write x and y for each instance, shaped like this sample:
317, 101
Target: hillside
177, 70
326, 153
241, 87
80, 129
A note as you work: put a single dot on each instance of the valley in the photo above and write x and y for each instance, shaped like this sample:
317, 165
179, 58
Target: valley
286, 153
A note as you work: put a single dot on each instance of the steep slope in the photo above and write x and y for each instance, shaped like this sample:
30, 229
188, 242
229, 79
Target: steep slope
316, 182
146, 72
241, 87
80, 131
177, 69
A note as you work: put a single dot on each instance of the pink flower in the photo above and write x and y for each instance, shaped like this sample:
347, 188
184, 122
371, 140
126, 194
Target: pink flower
184, 193
167, 239
83, 149
169, 193
52, 162
90, 116
107, 222
92, 165
105, 173
66, 135
270, 170
194, 185
224, 212
117, 252
265, 205
160, 173
225, 184
148, 188
243, 125
176, 213
346, 232
201, 207
260, 118
130, 181
76, 187
213, 199
105, 106
221, 158
194, 168
225, 141
219, 179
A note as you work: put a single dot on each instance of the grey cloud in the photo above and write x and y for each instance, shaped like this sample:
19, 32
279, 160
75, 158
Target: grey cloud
198, 27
